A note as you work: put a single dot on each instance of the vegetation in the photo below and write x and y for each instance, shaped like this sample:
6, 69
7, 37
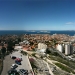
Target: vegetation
3, 50
64, 61
65, 68
19, 40
33, 49
56, 54
33, 54
33, 65
10, 46
48, 51
41, 57
32, 61
24, 53
1, 66
31, 43
52, 53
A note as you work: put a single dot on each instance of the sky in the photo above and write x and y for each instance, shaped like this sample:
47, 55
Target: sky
37, 14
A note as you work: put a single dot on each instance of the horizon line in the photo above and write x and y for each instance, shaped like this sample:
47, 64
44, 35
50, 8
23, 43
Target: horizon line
37, 30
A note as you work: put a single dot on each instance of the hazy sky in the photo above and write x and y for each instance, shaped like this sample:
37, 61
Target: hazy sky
37, 14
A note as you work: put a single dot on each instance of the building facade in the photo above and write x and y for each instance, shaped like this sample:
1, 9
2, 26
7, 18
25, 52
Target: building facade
67, 49
42, 46
59, 47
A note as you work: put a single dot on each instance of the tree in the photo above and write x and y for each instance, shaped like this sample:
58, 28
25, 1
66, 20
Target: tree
3, 50
19, 39
10, 46
31, 43
48, 51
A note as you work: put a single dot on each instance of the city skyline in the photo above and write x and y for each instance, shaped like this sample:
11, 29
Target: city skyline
37, 15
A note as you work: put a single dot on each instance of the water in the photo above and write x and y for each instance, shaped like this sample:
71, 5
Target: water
18, 32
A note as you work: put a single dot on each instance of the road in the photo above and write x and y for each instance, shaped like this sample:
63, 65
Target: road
49, 68
8, 62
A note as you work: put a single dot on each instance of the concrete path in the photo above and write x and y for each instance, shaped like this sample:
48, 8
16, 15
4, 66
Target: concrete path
48, 68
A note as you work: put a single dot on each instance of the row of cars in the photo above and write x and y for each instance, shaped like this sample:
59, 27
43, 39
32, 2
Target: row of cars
13, 70
17, 59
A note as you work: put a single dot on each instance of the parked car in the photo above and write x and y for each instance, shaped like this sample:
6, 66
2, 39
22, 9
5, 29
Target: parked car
13, 57
18, 59
12, 72
23, 72
17, 62
13, 66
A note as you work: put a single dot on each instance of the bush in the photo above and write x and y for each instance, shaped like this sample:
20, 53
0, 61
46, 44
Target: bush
48, 51
32, 61
41, 57
33, 54
56, 54
33, 65
24, 53
33, 49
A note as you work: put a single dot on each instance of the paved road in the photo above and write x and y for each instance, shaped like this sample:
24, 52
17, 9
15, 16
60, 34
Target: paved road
8, 62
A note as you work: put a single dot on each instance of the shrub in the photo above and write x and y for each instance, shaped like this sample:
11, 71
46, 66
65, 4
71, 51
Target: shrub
33, 54
24, 53
32, 61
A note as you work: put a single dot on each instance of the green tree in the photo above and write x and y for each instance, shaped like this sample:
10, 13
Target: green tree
19, 39
3, 50
48, 51
31, 43
10, 46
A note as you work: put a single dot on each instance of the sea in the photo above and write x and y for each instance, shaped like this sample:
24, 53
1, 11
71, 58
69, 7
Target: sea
19, 32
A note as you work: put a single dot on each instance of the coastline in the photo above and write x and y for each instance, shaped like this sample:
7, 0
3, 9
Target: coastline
19, 32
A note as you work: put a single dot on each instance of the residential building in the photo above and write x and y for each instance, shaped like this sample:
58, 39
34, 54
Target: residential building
42, 46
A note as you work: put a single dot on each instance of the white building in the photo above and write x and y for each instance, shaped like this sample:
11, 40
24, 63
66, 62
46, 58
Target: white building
67, 49
18, 48
60, 47
42, 50
42, 46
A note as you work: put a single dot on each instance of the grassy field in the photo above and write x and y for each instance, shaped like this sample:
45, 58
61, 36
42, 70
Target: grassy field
65, 68
70, 64
64, 61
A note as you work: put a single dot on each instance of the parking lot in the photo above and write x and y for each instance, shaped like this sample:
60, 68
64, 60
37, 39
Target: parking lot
8, 62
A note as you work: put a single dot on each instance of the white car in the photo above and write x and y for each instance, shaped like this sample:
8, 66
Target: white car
14, 66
